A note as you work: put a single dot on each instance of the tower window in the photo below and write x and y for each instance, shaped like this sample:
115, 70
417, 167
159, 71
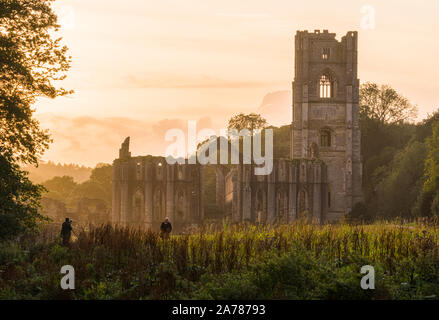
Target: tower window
325, 87
138, 170
325, 138
325, 53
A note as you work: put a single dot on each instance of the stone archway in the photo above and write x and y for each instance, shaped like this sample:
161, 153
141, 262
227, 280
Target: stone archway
261, 200
159, 205
281, 206
138, 206
302, 201
180, 208
214, 189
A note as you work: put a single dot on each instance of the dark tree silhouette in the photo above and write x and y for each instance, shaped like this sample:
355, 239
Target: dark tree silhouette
31, 61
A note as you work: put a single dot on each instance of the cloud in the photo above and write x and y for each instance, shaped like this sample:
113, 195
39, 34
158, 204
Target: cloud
276, 107
90, 140
196, 82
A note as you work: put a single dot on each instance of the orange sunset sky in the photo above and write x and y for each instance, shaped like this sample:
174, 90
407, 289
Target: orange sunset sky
142, 67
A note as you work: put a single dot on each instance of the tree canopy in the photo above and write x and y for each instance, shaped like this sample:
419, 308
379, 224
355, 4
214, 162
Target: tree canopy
31, 62
385, 104
250, 121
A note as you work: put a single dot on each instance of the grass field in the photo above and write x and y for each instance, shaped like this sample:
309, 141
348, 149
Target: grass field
299, 261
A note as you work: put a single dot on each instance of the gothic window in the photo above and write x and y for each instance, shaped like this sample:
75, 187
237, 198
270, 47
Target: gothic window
138, 205
158, 205
260, 201
282, 207
303, 202
325, 138
180, 206
138, 170
325, 53
326, 87
159, 171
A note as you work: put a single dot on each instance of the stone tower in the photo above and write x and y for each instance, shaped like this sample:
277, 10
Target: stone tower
325, 114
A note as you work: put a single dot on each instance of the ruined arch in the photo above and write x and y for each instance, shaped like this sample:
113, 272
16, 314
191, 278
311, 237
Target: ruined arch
159, 205
214, 181
326, 137
138, 205
261, 200
282, 205
302, 203
180, 208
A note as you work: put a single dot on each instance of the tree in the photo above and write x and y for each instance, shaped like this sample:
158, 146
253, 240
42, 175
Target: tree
385, 130
385, 104
250, 121
430, 189
91, 190
31, 61
19, 200
398, 191
102, 176
60, 188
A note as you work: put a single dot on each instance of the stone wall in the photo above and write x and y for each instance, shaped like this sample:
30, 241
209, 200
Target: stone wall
147, 189
292, 190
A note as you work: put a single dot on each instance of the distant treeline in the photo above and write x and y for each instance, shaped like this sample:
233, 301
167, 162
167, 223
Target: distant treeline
48, 170
69, 191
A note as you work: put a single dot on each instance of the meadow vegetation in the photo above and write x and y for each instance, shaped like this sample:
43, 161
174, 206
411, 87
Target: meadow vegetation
298, 261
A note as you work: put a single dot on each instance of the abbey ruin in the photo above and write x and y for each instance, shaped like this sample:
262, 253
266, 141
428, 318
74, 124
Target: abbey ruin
322, 180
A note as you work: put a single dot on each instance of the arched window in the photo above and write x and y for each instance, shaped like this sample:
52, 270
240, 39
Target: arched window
303, 203
325, 53
282, 206
158, 205
138, 206
181, 207
326, 87
325, 138
139, 170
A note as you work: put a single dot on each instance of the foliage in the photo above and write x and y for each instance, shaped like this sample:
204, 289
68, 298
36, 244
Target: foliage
298, 261
385, 104
47, 170
31, 60
30, 63
60, 188
431, 185
66, 190
19, 201
250, 121
281, 141
394, 155
400, 188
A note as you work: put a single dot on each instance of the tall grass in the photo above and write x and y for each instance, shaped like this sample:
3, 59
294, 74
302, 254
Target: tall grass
118, 262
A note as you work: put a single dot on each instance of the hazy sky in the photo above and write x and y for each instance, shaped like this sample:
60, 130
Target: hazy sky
142, 66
